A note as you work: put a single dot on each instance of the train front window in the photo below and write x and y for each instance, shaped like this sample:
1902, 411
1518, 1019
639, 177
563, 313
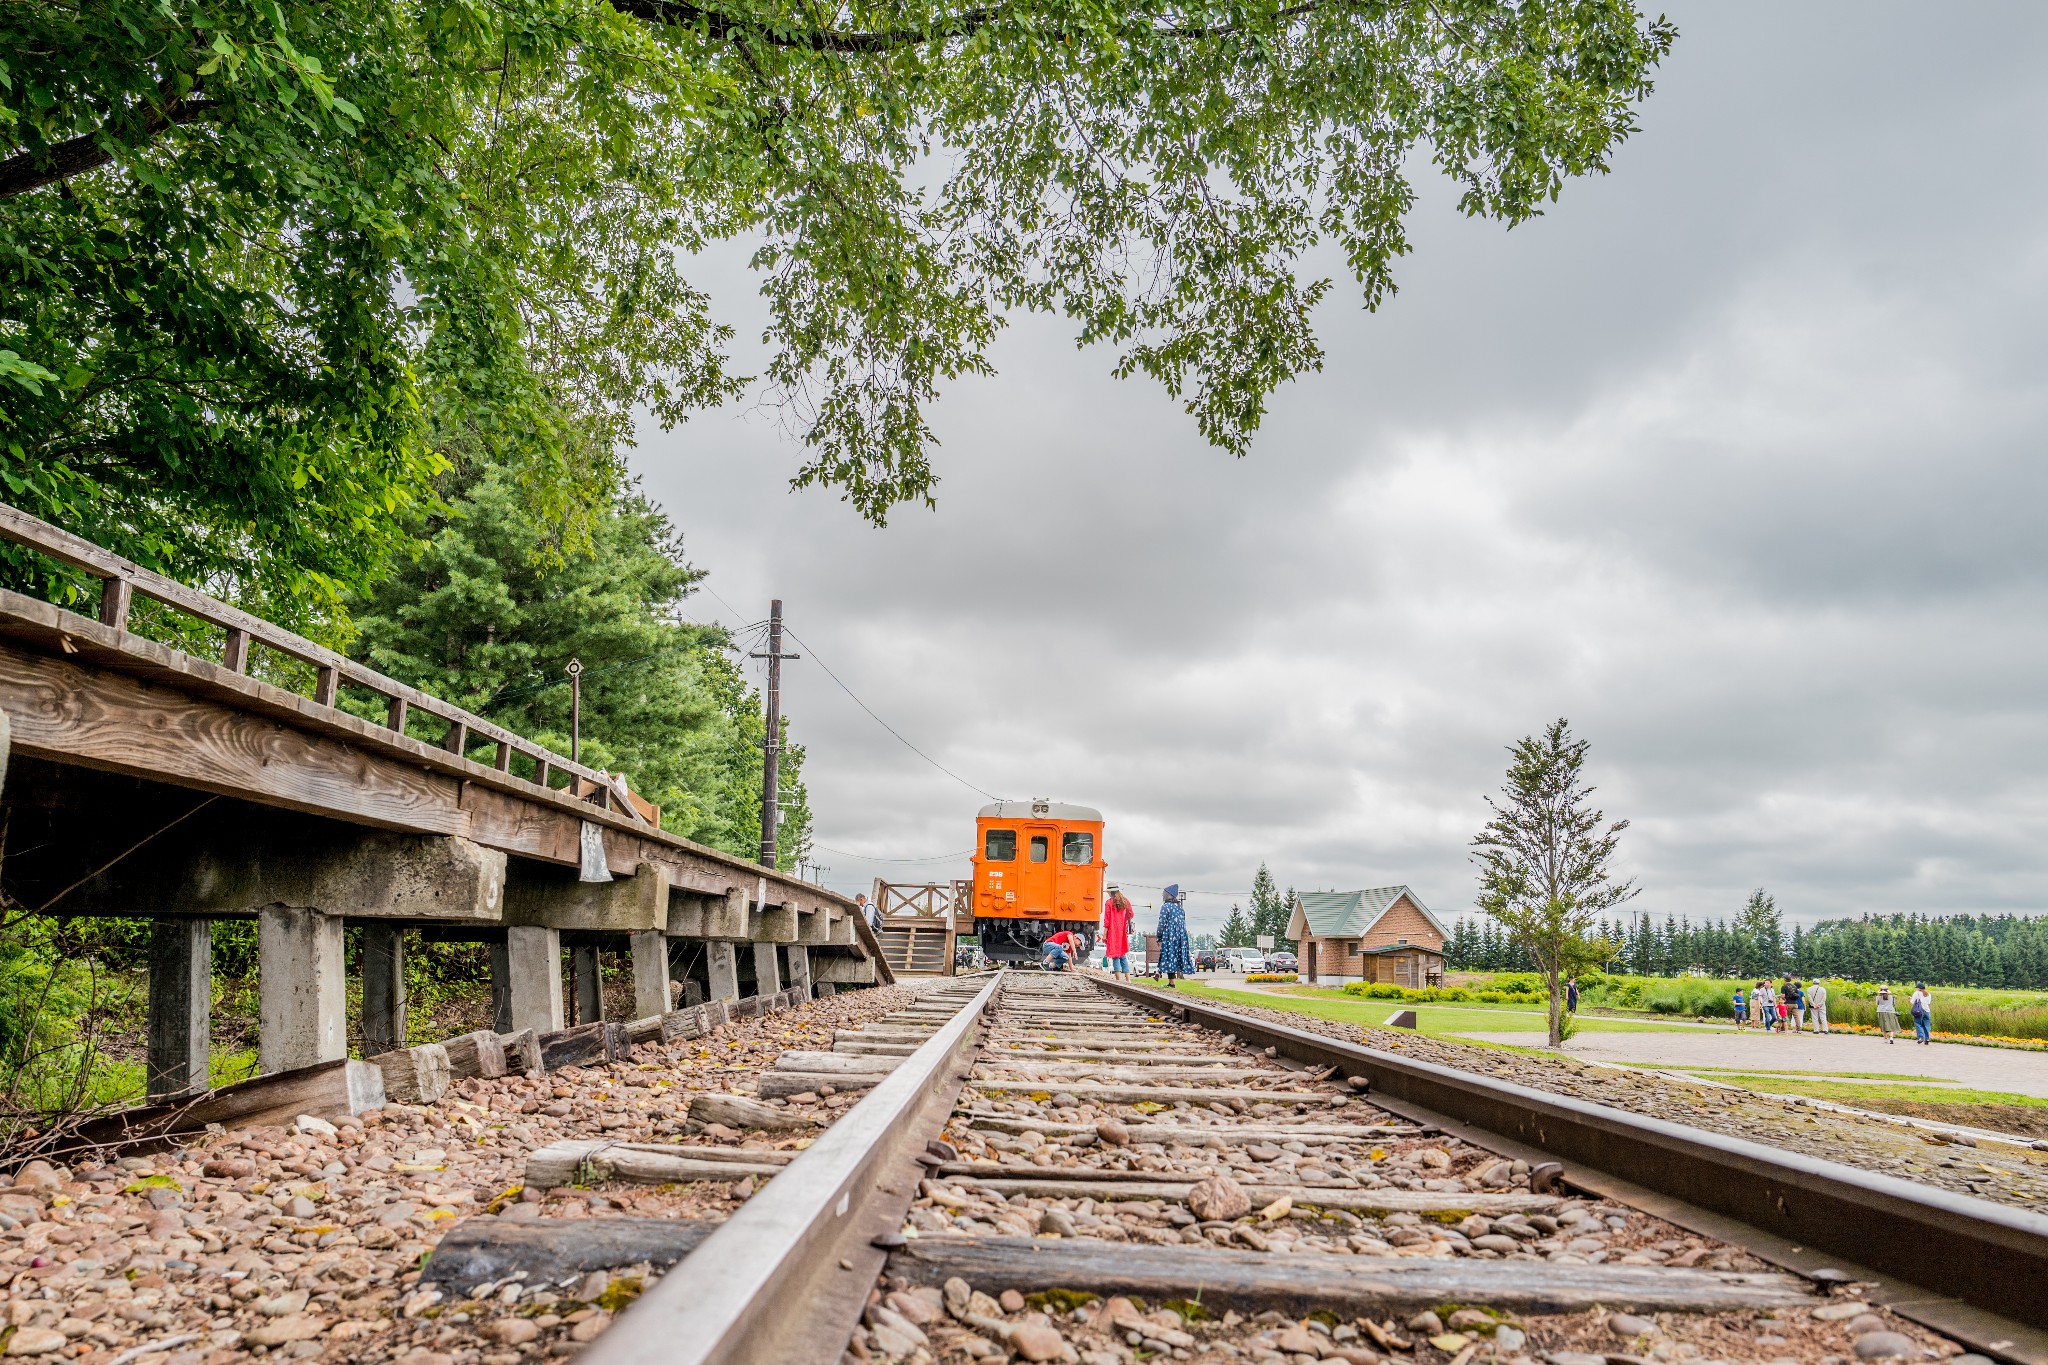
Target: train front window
1077, 848
1039, 847
1001, 846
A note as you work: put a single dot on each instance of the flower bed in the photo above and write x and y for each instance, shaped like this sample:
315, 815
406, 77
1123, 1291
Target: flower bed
1272, 976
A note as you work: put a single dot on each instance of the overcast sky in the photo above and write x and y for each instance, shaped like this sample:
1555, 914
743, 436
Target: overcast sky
1733, 459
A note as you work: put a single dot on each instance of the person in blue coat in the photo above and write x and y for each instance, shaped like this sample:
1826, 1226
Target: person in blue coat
1174, 958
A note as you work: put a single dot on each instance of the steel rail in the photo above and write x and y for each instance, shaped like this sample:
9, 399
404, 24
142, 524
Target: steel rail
1985, 1264
792, 1269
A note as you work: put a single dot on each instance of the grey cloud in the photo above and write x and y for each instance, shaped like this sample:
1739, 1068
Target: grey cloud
1734, 458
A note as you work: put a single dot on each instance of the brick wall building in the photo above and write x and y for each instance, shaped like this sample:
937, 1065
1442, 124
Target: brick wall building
1383, 934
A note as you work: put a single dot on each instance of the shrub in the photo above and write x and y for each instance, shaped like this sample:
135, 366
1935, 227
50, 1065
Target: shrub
1271, 976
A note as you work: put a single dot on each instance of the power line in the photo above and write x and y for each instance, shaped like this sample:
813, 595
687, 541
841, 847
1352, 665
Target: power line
885, 724
866, 858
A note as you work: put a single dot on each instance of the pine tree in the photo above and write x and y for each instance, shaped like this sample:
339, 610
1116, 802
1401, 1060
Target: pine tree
1763, 933
1237, 931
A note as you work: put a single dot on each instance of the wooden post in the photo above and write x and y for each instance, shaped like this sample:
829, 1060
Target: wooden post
384, 1002
501, 989
180, 1005
589, 990
115, 595
235, 656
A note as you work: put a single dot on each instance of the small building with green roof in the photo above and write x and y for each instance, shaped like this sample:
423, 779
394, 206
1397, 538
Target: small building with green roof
1382, 934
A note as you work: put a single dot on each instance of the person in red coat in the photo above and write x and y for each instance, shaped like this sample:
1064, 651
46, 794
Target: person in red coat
1116, 933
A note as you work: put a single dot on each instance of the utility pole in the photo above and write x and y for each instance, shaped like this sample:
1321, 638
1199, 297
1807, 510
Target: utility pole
576, 711
771, 738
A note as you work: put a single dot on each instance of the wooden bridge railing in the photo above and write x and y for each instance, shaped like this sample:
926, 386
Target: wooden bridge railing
121, 580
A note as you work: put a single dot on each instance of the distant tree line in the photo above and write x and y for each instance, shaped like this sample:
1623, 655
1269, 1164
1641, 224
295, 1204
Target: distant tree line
1270, 913
1993, 951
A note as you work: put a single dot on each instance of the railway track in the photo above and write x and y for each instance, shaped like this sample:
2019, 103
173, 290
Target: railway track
1052, 1168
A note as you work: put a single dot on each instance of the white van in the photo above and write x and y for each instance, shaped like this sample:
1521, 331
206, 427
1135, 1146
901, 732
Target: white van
1243, 960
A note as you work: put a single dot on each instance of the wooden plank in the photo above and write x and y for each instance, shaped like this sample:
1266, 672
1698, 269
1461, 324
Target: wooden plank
480, 1054
416, 1075
330, 1090
782, 1085
1053, 1182
1304, 1283
1158, 1094
592, 1044
592, 1163
479, 1251
737, 1111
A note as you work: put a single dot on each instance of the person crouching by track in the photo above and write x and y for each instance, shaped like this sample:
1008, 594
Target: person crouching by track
1116, 932
1061, 948
1174, 959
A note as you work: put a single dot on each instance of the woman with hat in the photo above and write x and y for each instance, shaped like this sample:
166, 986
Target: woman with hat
1174, 958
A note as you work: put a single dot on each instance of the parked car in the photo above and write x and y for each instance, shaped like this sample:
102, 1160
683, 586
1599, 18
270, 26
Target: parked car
1205, 959
1247, 960
1282, 961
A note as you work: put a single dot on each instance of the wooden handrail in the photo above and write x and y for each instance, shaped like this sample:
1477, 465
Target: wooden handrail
121, 579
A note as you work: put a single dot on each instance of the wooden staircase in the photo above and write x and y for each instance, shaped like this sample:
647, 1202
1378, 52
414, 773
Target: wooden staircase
918, 947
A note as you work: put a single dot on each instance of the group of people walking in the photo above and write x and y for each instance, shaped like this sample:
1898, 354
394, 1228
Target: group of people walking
1791, 1005
1784, 1008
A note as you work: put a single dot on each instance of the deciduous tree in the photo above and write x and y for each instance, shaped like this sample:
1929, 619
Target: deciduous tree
249, 247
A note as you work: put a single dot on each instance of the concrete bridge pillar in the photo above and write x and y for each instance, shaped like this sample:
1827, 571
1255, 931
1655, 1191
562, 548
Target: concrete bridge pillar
384, 1001
650, 972
180, 1005
301, 993
767, 969
723, 964
799, 968
533, 977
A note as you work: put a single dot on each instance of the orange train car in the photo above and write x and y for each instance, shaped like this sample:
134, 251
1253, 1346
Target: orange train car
1038, 869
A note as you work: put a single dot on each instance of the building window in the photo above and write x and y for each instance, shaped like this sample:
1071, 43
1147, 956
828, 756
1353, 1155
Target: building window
1077, 848
1402, 942
1001, 846
1039, 848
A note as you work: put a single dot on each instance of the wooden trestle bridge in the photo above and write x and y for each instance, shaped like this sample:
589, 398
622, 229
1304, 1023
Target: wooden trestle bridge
147, 781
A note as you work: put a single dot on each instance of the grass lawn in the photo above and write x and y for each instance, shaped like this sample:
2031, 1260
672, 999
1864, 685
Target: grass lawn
1833, 1075
1849, 1092
1432, 1019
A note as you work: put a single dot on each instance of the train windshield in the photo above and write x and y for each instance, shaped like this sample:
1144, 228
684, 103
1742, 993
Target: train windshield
1038, 848
1001, 846
1077, 848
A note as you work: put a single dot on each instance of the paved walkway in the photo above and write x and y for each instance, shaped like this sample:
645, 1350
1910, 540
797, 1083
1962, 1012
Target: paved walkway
1982, 1068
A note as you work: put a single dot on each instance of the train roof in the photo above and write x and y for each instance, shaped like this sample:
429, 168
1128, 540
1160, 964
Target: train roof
1038, 810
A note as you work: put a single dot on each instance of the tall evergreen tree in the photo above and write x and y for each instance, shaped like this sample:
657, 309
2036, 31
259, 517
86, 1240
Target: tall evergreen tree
1762, 931
492, 610
1237, 931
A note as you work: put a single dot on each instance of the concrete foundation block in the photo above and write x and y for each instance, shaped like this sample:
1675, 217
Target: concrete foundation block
799, 959
301, 992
